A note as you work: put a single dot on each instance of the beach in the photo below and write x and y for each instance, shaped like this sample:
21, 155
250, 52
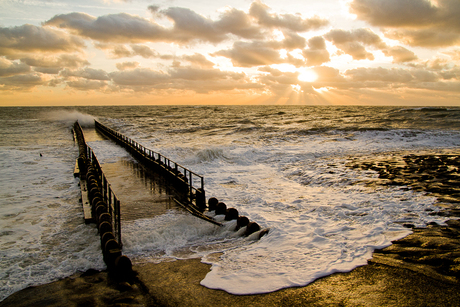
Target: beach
422, 269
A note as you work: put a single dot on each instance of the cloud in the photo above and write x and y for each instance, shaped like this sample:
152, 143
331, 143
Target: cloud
317, 53
393, 75
186, 78
292, 22
30, 38
112, 28
143, 51
255, 53
86, 85
139, 76
239, 23
416, 78
430, 38
21, 82
86, 73
198, 59
352, 42
191, 73
118, 51
8, 68
261, 53
55, 61
414, 22
394, 13
189, 24
127, 65
399, 54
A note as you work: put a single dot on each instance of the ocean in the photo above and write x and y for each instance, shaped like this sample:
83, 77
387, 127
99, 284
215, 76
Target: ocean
284, 167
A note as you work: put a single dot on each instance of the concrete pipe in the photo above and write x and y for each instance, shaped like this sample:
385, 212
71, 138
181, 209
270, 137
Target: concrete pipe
232, 214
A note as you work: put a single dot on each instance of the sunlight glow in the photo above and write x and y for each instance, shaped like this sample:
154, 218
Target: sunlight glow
307, 75
322, 90
296, 87
278, 35
297, 54
284, 67
283, 53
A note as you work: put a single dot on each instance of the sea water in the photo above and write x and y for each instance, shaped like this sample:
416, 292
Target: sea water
281, 166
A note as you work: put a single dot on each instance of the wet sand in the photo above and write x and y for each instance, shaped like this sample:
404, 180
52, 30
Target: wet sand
422, 269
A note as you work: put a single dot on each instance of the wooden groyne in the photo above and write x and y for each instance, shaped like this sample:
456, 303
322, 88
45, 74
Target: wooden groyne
189, 185
101, 206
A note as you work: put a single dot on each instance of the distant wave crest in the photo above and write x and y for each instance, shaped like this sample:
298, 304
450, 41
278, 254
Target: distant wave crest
211, 154
70, 117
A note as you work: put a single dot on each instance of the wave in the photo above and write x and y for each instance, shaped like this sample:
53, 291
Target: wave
211, 154
70, 117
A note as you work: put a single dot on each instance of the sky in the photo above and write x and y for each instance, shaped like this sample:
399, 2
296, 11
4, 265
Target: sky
174, 52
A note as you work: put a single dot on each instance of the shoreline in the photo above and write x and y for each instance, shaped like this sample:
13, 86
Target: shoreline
420, 269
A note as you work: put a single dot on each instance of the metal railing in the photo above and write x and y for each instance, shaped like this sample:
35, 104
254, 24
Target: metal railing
193, 181
109, 196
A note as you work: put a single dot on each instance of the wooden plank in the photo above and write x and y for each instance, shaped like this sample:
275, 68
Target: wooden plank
197, 213
76, 170
87, 212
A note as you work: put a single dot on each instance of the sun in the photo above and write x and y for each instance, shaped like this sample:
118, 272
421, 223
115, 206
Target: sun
307, 76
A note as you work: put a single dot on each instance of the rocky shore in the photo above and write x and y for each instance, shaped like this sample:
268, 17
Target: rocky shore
422, 269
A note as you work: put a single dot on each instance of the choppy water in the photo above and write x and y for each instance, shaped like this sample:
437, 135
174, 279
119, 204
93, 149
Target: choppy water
283, 167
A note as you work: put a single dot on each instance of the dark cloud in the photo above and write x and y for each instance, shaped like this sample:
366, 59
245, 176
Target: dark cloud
29, 38
55, 62
121, 51
153, 8
113, 28
86, 85
143, 51
189, 24
414, 22
425, 37
21, 82
239, 23
292, 22
394, 13
8, 68
86, 73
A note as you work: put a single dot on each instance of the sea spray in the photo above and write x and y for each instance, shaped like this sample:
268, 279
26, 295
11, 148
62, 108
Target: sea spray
70, 117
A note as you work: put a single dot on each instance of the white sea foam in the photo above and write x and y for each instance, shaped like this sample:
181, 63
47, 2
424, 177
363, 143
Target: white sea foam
42, 236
